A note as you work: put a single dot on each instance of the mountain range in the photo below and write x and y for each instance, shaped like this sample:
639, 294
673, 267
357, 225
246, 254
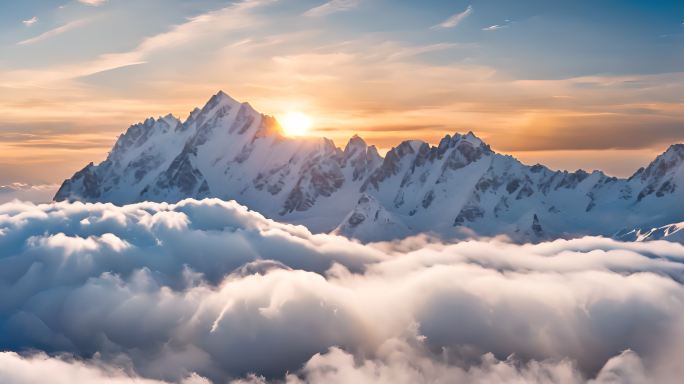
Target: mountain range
455, 189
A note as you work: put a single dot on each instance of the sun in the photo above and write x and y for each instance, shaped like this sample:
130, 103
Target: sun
295, 123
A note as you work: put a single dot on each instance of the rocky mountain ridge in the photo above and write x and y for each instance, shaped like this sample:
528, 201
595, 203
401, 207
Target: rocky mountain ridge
457, 188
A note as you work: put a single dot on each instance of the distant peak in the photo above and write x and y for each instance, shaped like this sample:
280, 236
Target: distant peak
169, 116
221, 98
676, 149
355, 142
471, 138
222, 94
373, 152
194, 113
672, 158
673, 154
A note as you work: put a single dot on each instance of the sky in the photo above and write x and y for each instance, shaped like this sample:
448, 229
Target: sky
570, 84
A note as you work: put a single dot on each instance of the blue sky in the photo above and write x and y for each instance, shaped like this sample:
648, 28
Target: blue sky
551, 81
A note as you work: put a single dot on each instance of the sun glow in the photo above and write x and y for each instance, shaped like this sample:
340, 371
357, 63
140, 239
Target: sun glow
295, 124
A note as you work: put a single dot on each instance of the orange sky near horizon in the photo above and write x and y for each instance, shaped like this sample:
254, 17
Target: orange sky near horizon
49, 157
68, 87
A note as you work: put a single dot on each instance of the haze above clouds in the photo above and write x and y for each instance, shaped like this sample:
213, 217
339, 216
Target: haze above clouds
27, 192
207, 290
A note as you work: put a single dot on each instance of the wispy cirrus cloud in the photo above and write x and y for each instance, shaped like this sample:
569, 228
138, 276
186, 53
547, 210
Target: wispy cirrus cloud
496, 27
54, 32
455, 19
94, 3
406, 52
233, 17
332, 6
30, 21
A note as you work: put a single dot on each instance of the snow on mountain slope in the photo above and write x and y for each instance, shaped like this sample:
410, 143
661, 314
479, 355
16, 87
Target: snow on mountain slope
463, 183
670, 232
230, 151
370, 221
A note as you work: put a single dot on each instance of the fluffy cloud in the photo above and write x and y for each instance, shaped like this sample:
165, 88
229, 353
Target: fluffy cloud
15, 369
208, 289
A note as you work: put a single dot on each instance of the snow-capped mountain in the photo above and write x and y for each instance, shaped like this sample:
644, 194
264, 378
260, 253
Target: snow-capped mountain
459, 187
670, 232
230, 151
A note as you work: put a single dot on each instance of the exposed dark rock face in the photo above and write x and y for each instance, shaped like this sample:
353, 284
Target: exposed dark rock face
536, 226
356, 218
85, 184
469, 213
658, 175
181, 176
360, 157
319, 179
390, 165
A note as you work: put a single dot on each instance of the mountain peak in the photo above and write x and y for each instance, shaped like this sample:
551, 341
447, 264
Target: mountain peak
671, 159
220, 98
675, 150
355, 143
673, 154
223, 95
471, 138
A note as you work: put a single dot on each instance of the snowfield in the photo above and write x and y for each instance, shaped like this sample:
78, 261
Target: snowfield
208, 291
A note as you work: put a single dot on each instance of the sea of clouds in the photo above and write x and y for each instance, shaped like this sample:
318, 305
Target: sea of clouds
209, 292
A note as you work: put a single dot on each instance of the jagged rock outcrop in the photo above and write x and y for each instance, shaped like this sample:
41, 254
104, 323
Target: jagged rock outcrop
370, 221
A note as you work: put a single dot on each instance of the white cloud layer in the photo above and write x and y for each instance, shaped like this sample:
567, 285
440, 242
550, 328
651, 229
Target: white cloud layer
15, 369
200, 291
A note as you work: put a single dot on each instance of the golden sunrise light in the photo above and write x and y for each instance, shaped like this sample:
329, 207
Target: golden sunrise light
295, 123
341, 191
